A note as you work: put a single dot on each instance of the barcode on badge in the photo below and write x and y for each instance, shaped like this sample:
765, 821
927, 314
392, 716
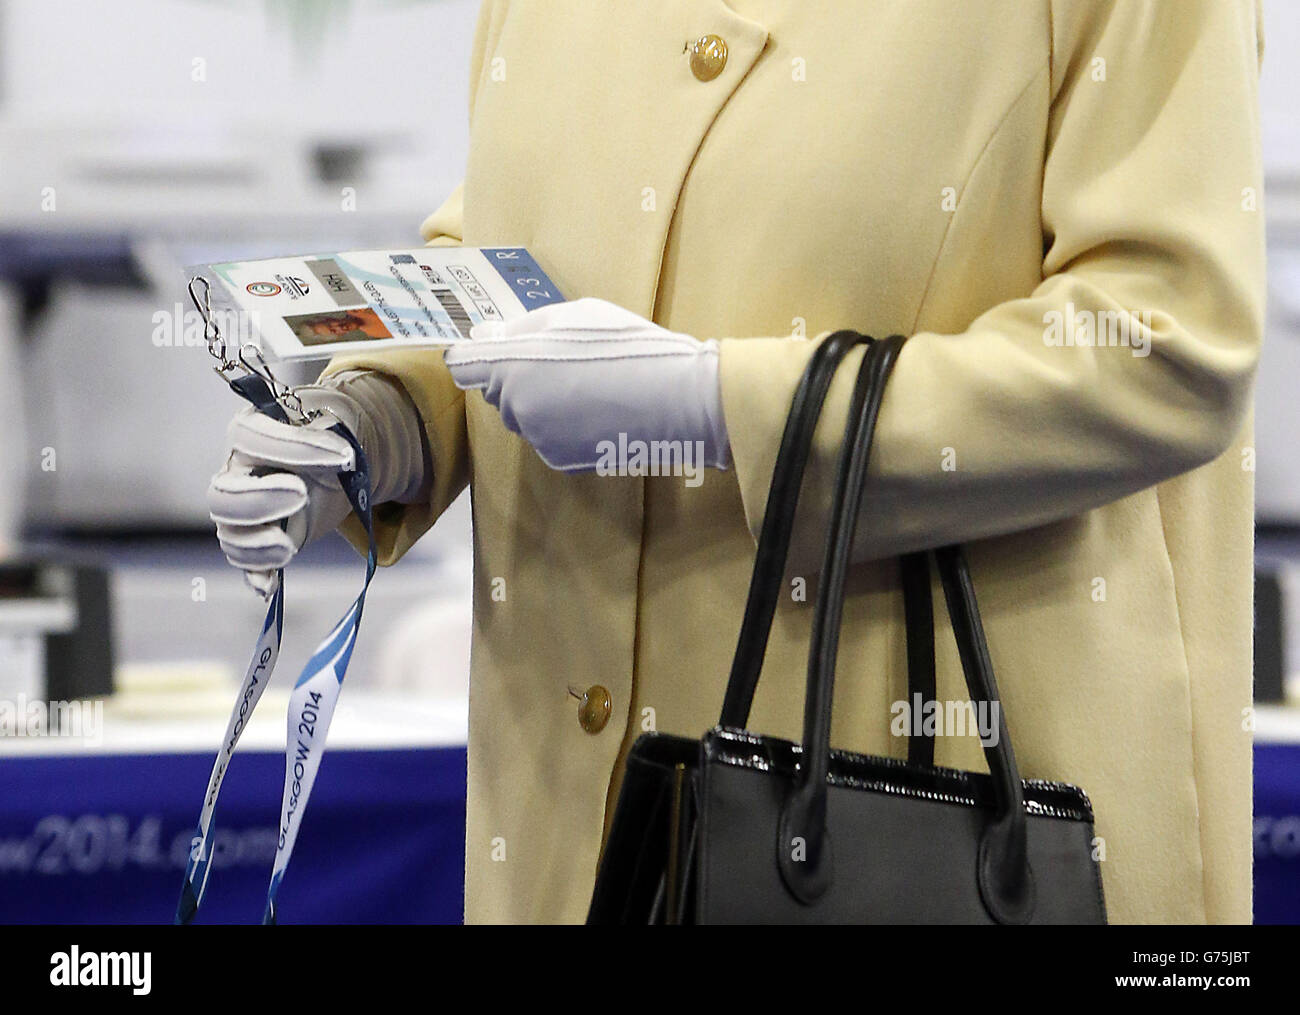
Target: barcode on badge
459, 318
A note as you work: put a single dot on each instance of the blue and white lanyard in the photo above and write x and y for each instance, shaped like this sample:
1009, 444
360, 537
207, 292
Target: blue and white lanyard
311, 705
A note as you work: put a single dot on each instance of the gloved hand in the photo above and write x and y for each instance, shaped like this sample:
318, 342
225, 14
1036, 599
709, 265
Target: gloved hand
279, 488
571, 376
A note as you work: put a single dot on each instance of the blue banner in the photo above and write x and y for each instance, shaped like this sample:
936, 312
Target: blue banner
105, 838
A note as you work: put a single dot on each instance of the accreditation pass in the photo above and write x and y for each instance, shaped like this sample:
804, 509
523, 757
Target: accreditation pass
312, 306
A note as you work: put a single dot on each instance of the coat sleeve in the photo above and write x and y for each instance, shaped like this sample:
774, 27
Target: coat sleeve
425, 378
1146, 206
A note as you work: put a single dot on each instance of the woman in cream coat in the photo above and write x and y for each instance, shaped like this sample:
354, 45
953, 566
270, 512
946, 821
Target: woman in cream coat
1003, 181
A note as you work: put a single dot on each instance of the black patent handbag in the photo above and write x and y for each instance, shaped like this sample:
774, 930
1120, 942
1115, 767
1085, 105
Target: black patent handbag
737, 827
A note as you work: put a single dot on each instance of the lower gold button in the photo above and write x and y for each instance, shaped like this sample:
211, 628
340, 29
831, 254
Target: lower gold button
594, 708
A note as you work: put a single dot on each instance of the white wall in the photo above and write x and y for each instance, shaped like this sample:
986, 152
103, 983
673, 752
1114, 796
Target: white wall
1280, 89
385, 68
137, 55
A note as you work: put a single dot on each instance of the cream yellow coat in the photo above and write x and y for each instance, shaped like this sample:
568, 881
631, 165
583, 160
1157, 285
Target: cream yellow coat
954, 171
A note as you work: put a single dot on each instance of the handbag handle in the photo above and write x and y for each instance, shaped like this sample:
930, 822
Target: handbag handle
918, 623
778, 524
1005, 880
774, 547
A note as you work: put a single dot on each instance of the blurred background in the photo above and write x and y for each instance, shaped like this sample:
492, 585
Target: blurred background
136, 138
143, 135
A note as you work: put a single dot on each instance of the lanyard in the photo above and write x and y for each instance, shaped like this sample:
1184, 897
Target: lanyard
316, 692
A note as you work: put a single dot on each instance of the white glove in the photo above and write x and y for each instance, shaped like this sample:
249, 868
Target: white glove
279, 488
578, 379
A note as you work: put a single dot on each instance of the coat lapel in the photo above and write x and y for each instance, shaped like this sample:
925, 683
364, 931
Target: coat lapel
582, 159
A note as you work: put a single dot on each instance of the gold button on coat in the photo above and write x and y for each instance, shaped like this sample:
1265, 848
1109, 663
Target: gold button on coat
708, 57
593, 708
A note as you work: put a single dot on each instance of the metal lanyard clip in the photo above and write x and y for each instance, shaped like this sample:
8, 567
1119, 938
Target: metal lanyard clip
250, 361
